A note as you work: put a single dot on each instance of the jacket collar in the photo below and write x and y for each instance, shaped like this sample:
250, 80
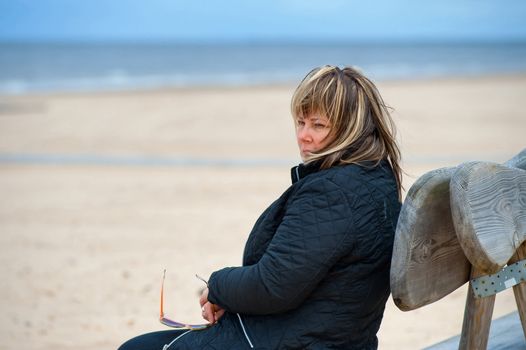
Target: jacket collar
300, 171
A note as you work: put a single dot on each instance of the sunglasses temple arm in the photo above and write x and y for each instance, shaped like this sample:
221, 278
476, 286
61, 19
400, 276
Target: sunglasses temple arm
162, 295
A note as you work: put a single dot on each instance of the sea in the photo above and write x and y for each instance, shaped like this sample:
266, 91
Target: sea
44, 67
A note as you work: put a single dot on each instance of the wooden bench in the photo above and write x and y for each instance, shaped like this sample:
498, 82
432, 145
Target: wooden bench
458, 224
505, 334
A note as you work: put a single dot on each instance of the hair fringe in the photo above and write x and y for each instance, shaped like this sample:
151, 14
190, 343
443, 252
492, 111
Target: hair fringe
362, 127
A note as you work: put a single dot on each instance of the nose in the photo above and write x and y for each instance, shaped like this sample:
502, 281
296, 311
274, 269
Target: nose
303, 134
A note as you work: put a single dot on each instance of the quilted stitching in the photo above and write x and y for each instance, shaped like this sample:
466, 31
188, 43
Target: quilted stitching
325, 244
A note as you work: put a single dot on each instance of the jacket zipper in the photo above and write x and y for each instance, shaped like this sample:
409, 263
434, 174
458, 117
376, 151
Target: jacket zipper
297, 173
244, 331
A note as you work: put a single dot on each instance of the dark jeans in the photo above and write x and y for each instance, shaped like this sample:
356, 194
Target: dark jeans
152, 341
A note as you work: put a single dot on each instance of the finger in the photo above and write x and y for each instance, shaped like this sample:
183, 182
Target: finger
203, 299
204, 313
219, 314
209, 311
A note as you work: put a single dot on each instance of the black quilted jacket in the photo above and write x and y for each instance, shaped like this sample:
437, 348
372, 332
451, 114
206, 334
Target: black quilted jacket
315, 271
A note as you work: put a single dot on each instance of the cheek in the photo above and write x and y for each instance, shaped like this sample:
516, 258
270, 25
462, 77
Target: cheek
324, 138
297, 134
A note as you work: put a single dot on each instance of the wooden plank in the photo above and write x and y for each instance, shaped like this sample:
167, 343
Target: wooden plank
488, 205
520, 289
477, 319
518, 161
428, 262
505, 334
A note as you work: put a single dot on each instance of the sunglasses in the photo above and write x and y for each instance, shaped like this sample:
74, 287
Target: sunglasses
175, 324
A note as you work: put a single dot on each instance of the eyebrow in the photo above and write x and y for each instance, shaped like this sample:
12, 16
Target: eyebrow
318, 118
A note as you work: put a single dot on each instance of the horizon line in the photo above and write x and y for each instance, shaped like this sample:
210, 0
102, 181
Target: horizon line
267, 41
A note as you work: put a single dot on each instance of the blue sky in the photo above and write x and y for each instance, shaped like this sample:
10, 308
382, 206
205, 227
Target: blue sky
246, 20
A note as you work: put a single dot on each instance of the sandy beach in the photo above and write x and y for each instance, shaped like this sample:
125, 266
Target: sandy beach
102, 191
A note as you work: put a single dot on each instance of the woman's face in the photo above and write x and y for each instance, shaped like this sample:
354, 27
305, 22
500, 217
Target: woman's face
312, 134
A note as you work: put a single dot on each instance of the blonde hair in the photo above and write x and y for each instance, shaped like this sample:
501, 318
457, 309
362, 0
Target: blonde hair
362, 129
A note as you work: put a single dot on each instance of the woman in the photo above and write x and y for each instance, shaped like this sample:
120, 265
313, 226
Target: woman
315, 271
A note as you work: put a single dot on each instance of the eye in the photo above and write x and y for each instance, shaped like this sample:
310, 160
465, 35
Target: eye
320, 125
300, 122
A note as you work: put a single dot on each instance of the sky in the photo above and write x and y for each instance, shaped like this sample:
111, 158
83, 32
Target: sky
262, 20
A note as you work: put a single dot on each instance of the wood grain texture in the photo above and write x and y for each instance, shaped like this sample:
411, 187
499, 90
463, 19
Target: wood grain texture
518, 161
488, 205
520, 289
428, 263
477, 319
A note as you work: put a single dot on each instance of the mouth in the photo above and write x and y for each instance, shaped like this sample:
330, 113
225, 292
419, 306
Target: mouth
304, 154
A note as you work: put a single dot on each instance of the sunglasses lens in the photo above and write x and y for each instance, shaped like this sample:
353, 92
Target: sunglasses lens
175, 324
178, 325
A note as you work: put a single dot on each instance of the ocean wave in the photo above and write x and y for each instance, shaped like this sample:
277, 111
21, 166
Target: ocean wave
35, 68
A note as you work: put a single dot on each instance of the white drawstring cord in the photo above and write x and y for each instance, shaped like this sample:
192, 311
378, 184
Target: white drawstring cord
244, 331
166, 346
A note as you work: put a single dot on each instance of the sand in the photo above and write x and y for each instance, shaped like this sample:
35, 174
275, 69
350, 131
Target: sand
85, 236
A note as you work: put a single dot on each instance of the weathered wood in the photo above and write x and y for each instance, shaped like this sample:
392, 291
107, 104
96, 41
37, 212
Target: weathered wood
505, 334
477, 319
488, 205
518, 161
520, 289
428, 263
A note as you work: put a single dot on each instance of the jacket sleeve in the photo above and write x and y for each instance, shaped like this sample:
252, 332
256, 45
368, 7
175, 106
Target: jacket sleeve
313, 235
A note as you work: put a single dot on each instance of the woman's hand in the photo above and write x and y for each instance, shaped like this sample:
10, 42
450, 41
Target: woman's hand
210, 312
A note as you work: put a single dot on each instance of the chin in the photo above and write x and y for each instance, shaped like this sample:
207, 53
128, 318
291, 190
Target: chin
306, 157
